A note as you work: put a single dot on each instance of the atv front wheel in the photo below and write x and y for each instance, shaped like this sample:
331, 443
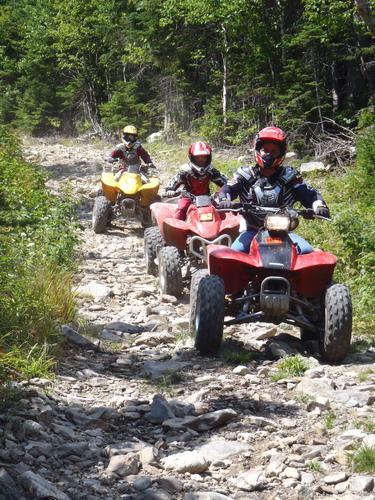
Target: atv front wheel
335, 342
146, 220
101, 214
209, 314
194, 284
170, 276
152, 239
307, 335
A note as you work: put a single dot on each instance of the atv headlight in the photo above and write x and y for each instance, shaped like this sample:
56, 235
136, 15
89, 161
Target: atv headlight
277, 223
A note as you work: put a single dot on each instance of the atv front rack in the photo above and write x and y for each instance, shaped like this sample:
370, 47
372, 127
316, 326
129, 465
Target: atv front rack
201, 243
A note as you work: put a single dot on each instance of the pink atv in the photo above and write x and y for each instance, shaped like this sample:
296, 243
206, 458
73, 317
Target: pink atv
174, 243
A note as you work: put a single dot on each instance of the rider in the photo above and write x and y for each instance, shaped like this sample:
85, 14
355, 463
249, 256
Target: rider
268, 184
130, 151
195, 177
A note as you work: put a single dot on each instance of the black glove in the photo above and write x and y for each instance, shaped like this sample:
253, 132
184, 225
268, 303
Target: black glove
224, 204
150, 165
322, 211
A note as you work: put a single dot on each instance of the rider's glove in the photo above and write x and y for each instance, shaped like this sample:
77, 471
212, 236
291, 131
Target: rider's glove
225, 204
169, 193
322, 211
118, 175
150, 165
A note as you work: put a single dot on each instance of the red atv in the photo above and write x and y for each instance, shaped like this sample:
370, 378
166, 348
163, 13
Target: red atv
174, 243
274, 284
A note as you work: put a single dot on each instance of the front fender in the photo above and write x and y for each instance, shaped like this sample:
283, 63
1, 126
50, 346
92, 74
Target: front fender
235, 268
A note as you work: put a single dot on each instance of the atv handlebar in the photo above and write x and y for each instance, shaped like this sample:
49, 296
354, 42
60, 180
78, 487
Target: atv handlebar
243, 208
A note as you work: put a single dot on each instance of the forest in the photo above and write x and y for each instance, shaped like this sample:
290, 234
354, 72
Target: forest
215, 68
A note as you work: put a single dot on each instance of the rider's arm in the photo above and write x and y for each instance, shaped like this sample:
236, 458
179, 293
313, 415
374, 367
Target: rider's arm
306, 194
117, 153
142, 153
241, 185
218, 178
175, 182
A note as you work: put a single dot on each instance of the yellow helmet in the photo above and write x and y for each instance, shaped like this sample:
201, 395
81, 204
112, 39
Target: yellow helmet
130, 129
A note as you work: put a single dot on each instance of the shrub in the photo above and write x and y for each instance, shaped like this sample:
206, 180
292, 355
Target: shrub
37, 239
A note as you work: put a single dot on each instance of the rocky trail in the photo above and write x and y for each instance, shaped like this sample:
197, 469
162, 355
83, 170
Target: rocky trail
135, 413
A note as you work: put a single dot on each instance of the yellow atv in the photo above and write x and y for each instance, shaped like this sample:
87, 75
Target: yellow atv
130, 196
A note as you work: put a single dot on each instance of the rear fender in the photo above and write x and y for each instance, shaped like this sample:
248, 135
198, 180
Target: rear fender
148, 191
110, 187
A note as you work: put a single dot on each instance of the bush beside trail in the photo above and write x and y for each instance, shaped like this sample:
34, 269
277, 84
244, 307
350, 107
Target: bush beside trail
37, 239
351, 234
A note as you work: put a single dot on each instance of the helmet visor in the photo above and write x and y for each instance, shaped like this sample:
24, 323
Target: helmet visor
129, 137
270, 148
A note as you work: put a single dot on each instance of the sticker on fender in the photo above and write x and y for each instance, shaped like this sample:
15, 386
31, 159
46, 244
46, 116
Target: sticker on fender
206, 217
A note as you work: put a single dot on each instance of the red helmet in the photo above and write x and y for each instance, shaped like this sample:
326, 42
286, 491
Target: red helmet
200, 149
267, 161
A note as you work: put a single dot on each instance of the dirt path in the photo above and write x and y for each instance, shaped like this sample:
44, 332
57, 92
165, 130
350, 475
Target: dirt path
137, 414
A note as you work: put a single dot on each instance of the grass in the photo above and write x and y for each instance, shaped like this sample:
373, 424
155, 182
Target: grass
303, 398
182, 334
238, 357
314, 466
364, 374
361, 345
167, 382
30, 361
363, 460
329, 420
37, 240
290, 366
368, 424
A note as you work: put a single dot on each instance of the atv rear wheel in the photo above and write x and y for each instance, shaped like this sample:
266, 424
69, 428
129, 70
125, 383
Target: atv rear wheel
194, 284
209, 314
152, 239
336, 339
101, 214
170, 276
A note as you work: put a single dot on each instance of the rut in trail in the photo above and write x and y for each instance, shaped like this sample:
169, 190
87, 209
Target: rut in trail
137, 414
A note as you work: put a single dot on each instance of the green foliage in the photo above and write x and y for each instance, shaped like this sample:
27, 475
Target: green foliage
368, 424
314, 466
329, 420
37, 238
290, 366
351, 235
238, 357
363, 460
102, 62
364, 374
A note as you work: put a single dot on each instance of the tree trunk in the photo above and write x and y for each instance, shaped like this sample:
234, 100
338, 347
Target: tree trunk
365, 13
335, 96
317, 92
225, 75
